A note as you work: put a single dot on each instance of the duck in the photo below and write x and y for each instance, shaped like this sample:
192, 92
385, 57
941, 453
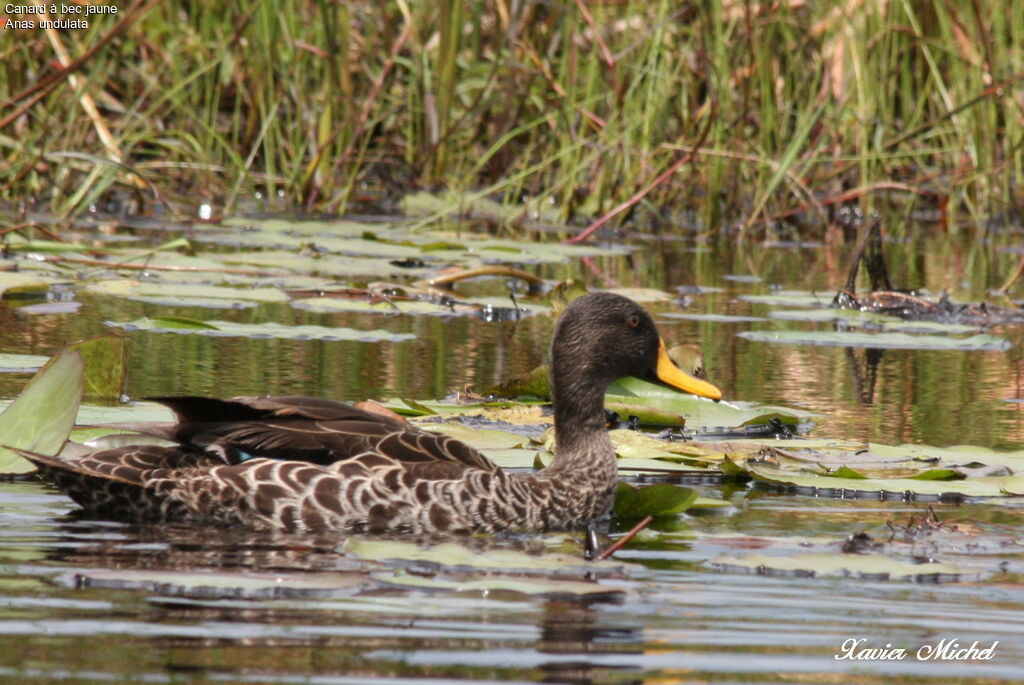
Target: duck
312, 465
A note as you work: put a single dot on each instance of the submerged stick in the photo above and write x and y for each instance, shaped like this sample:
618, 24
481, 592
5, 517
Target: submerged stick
448, 280
621, 542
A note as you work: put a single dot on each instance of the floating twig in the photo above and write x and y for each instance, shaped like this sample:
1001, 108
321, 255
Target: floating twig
621, 542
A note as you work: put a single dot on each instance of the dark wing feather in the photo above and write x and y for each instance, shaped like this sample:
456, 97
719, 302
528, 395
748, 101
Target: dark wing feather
312, 430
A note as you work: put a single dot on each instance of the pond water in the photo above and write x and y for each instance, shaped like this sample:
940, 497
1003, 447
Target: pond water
93, 601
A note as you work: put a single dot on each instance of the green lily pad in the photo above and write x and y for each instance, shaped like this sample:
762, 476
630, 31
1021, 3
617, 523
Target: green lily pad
257, 330
335, 266
906, 488
137, 412
453, 555
857, 318
42, 416
244, 584
137, 289
790, 298
866, 566
714, 318
662, 499
291, 226
480, 438
697, 456
643, 294
24, 280
647, 416
903, 341
700, 413
486, 585
464, 306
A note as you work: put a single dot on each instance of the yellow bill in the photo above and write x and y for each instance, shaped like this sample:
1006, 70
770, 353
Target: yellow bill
671, 374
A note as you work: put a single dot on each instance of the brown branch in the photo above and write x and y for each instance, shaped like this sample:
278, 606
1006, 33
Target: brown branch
621, 542
448, 280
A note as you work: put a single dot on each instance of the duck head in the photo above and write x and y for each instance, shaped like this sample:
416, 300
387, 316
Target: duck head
602, 337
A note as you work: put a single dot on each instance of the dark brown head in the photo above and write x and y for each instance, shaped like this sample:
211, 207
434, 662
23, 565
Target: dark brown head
602, 337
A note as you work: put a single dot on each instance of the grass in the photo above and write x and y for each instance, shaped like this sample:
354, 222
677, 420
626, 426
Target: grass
796, 108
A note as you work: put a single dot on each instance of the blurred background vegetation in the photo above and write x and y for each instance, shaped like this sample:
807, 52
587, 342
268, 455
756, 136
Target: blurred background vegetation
765, 112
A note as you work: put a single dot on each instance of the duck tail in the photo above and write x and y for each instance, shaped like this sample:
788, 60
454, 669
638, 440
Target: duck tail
109, 487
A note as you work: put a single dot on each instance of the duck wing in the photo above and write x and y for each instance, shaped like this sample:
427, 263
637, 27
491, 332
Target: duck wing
312, 430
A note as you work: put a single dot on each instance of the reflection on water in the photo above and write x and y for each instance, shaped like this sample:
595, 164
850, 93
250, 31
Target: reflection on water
675, 619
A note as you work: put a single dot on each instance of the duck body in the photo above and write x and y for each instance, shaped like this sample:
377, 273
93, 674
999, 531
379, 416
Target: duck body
311, 465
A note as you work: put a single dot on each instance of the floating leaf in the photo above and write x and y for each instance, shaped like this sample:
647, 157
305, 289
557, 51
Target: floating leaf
903, 488
486, 585
480, 438
207, 584
337, 266
647, 416
42, 416
21, 280
715, 318
456, 556
643, 294
257, 330
662, 499
136, 289
701, 413
877, 340
865, 566
21, 363
790, 298
858, 319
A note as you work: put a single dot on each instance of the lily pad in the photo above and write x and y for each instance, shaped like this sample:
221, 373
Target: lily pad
21, 363
206, 584
138, 289
878, 340
701, 413
455, 556
466, 306
864, 566
24, 280
901, 488
790, 298
336, 266
714, 318
643, 294
858, 319
485, 585
257, 330
662, 499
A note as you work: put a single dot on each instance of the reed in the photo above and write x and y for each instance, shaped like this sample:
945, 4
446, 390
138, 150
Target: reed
574, 106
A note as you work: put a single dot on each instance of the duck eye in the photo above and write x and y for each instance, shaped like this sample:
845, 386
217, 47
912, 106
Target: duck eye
633, 321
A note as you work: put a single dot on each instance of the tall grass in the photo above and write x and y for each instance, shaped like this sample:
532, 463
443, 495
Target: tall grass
573, 105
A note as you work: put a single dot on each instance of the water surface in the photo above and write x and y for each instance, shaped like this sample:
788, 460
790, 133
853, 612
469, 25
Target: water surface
668, 616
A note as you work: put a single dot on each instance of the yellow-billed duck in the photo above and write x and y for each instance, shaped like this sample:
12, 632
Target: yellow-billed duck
307, 464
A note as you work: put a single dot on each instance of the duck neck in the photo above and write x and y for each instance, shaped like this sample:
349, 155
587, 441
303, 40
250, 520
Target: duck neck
581, 437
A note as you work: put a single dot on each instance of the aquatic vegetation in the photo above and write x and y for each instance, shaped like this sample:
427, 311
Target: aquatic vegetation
763, 112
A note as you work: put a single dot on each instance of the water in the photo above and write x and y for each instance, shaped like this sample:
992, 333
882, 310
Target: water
72, 610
